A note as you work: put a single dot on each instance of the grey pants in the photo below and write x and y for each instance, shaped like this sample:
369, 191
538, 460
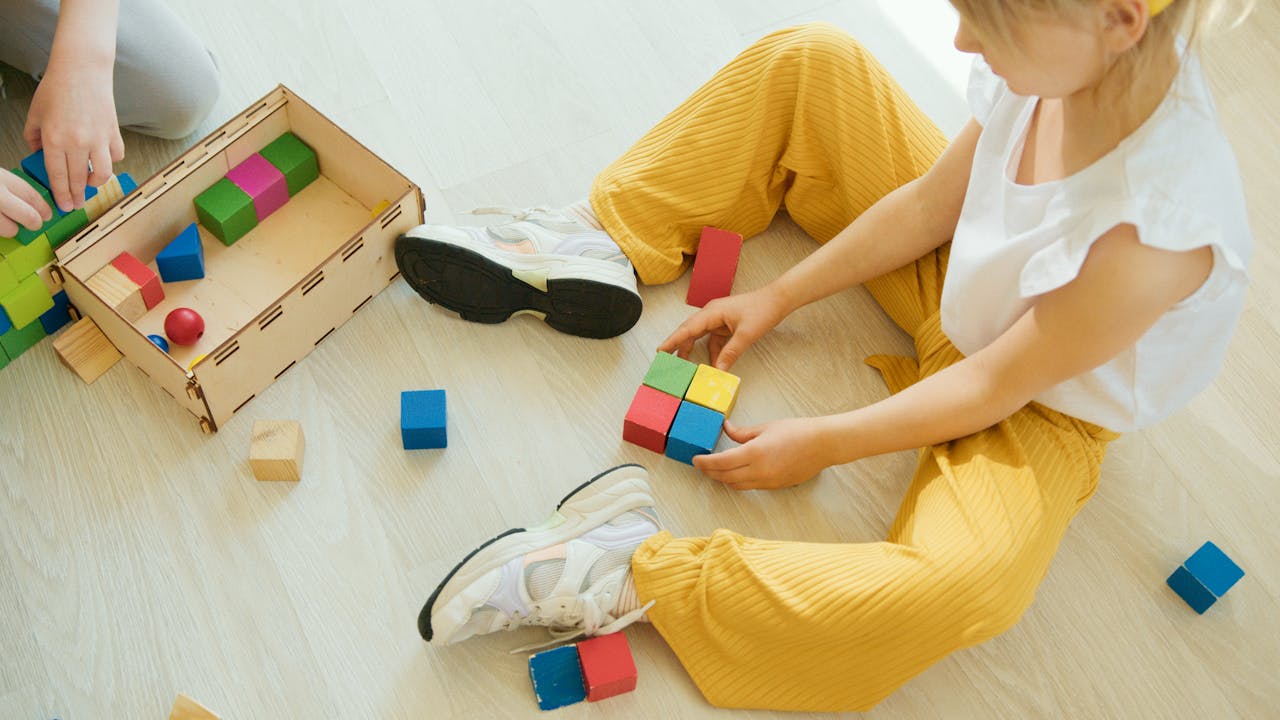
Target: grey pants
165, 80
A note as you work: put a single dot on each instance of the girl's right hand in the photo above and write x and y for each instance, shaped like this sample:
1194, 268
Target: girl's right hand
21, 205
733, 322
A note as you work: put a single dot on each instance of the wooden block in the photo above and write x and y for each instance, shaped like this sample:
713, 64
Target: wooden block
608, 668
146, 279
295, 159
263, 182
184, 708
714, 266
8, 281
714, 389
58, 316
423, 419
70, 224
118, 291
1213, 569
557, 677
1191, 590
84, 349
276, 450
182, 259
109, 194
24, 260
671, 374
694, 432
27, 302
19, 340
649, 418
226, 211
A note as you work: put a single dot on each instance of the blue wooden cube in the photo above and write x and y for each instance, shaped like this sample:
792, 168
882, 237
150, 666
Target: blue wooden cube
57, 316
33, 166
127, 183
1206, 576
182, 259
694, 432
422, 419
557, 677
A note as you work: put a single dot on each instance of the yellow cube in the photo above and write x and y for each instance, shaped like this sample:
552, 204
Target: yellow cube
713, 389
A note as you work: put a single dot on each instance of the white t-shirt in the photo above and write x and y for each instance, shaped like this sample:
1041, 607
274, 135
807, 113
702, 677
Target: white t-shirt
1175, 179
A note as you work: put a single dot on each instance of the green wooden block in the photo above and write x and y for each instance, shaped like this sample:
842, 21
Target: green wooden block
295, 159
8, 281
226, 211
70, 224
26, 303
4, 358
20, 339
671, 374
23, 260
25, 236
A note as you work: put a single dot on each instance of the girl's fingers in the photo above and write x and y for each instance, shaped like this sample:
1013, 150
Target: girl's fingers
100, 160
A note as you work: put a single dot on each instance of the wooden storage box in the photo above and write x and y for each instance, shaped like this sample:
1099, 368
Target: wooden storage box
274, 295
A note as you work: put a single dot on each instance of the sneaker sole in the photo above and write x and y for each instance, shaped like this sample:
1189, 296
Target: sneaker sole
608, 494
481, 289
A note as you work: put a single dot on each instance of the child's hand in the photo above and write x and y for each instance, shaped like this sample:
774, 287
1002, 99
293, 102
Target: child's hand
774, 455
733, 322
73, 117
21, 205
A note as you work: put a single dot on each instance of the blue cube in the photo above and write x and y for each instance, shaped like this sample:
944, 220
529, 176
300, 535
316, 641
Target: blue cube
33, 166
127, 184
1213, 569
182, 259
694, 432
57, 316
1191, 590
422, 419
557, 677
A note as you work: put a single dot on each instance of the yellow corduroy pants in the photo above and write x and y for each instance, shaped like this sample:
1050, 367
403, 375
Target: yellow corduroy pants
808, 118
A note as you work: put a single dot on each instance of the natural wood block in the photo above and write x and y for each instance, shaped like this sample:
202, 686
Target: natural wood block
714, 266
184, 708
144, 277
84, 349
276, 450
119, 291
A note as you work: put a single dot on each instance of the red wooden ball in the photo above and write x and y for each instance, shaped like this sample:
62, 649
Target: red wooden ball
184, 326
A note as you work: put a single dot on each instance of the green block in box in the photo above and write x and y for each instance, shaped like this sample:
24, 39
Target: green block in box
70, 224
226, 211
19, 340
27, 302
295, 159
23, 260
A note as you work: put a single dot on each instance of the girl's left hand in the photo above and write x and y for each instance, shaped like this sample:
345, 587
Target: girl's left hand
777, 454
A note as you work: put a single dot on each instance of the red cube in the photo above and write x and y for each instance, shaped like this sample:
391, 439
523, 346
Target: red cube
142, 276
607, 666
649, 418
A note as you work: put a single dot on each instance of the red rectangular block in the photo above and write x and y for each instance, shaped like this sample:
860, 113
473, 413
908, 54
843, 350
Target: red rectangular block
649, 418
607, 666
714, 266
143, 276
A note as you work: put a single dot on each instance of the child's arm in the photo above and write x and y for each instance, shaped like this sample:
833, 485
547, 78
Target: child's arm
902, 226
1120, 292
73, 112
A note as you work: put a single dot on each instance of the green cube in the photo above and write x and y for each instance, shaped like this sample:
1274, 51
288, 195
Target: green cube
25, 236
8, 281
4, 358
27, 302
20, 339
295, 159
226, 211
670, 374
23, 260
70, 224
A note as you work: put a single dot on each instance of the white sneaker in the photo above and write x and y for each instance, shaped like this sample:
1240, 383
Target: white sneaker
568, 574
543, 262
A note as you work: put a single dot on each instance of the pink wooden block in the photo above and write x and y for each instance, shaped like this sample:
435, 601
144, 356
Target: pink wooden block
261, 181
714, 266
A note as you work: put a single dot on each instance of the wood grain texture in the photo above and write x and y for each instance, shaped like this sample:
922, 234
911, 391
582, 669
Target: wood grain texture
140, 559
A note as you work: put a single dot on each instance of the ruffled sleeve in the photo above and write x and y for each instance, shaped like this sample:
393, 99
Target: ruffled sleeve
985, 88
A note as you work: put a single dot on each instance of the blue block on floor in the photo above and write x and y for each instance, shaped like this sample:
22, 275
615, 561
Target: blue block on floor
557, 677
57, 316
1191, 590
182, 259
694, 432
1213, 569
422, 419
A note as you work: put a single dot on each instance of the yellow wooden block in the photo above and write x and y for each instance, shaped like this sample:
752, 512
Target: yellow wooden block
184, 708
118, 291
377, 209
84, 349
714, 389
276, 450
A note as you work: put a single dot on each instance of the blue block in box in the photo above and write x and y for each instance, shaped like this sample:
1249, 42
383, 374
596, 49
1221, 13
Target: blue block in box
182, 259
422, 419
694, 432
59, 315
557, 677
1215, 571
1191, 590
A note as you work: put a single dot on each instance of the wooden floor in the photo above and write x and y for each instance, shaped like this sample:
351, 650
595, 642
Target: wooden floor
140, 559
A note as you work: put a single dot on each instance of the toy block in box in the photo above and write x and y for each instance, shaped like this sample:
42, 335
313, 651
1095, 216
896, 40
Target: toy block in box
422, 419
1206, 576
226, 211
262, 182
276, 450
85, 350
713, 389
21, 339
119, 292
694, 432
714, 266
27, 302
608, 668
182, 259
671, 374
144, 277
649, 418
292, 157
557, 677
184, 708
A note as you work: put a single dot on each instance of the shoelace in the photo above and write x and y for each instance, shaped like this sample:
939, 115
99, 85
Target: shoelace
595, 620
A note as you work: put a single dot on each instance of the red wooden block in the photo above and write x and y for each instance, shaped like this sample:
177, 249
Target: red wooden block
714, 266
607, 666
132, 267
649, 418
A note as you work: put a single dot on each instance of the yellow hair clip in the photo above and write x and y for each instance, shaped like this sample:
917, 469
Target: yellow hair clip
1158, 6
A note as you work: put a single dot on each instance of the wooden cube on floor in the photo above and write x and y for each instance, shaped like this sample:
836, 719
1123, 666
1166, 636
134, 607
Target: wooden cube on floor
184, 708
276, 450
83, 348
119, 291
557, 677
714, 266
608, 668
714, 389
649, 418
